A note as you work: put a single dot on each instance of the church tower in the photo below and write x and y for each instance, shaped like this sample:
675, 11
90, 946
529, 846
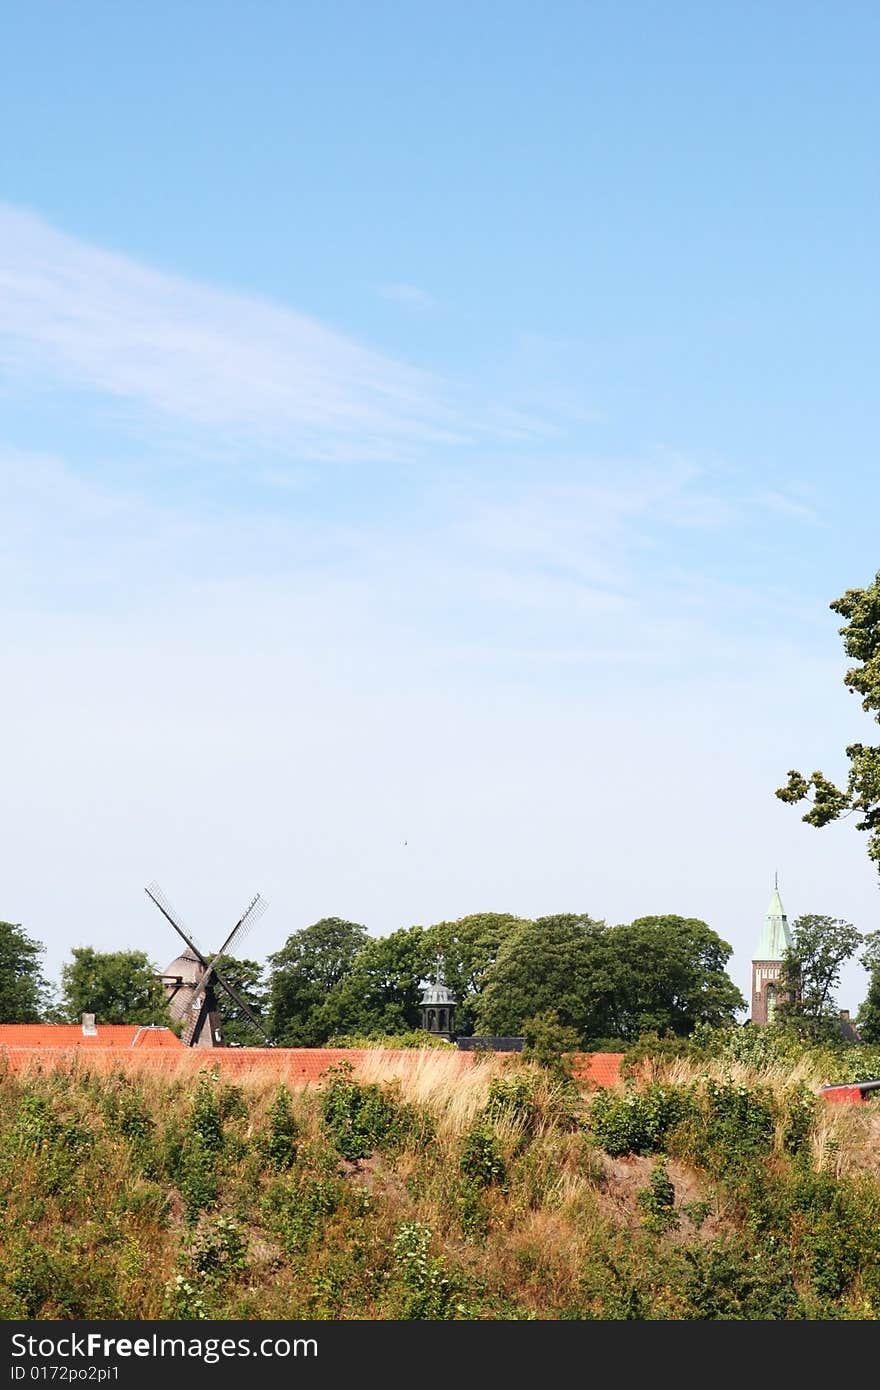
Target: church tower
773, 943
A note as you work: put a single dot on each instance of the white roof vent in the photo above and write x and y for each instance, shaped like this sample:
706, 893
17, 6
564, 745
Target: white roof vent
88, 1026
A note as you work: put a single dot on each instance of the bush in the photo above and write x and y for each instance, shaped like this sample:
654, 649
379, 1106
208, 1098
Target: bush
730, 1280
218, 1251
481, 1160
206, 1124
657, 1202
514, 1097
733, 1125
361, 1119
297, 1209
280, 1144
637, 1122
425, 1288
416, 1038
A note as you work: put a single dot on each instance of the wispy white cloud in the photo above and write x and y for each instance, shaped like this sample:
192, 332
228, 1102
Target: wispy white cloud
409, 295
205, 357
788, 506
591, 528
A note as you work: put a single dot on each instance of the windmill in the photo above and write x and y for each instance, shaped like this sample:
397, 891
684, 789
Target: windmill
192, 981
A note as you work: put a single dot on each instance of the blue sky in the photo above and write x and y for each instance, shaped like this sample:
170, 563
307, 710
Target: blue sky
442, 424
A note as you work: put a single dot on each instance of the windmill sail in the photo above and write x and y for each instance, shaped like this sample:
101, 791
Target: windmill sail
192, 979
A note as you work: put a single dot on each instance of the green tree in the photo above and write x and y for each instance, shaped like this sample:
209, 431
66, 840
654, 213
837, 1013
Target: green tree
23, 991
869, 1013
467, 949
550, 1043
115, 986
309, 967
670, 975
861, 641
246, 978
810, 972
381, 992
661, 974
555, 964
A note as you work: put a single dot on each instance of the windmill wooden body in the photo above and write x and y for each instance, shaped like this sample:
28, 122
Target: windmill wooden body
194, 982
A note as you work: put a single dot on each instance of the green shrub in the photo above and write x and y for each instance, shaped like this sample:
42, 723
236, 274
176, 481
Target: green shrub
730, 1280
217, 1253
733, 1126
280, 1143
361, 1118
206, 1123
481, 1159
416, 1038
296, 1209
637, 1122
657, 1202
184, 1299
514, 1097
426, 1291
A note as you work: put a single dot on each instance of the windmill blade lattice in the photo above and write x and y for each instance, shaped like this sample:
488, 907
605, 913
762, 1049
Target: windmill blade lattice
154, 892
243, 1007
245, 924
192, 990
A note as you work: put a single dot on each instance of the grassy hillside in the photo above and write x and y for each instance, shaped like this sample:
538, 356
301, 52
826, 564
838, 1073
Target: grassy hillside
710, 1189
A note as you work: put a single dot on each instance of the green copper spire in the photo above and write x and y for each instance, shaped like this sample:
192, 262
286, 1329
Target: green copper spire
775, 938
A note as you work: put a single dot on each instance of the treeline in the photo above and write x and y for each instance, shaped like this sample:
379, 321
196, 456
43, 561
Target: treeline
588, 981
568, 979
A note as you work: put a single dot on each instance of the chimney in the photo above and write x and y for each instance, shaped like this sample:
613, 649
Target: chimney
88, 1026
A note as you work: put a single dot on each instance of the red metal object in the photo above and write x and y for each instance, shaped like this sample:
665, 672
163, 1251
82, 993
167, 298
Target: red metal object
844, 1095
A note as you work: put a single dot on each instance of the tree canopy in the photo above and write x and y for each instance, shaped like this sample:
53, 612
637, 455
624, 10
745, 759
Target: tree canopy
556, 963
381, 992
115, 986
662, 974
467, 949
811, 967
671, 975
869, 1013
861, 641
23, 991
246, 978
309, 966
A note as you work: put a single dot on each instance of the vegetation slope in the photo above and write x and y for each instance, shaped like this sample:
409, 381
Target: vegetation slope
713, 1187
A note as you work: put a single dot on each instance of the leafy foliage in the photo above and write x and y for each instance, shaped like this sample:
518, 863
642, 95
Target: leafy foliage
657, 1202
811, 969
482, 1161
509, 1212
281, 1140
599, 982
115, 986
416, 1038
309, 966
23, 991
359, 1118
427, 1291
861, 640
637, 1122
246, 978
468, 948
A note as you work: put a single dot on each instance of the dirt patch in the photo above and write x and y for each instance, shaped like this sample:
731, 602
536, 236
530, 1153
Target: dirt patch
624, 1178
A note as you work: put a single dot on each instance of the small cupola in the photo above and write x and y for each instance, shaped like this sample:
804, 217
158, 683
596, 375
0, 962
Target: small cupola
437, 1004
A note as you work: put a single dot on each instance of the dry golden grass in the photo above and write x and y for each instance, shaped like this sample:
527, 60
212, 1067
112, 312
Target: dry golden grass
437, 1080
778, 1077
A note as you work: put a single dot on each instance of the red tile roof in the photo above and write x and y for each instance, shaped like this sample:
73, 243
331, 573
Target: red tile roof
599, 1068
41, 1044
66, 1035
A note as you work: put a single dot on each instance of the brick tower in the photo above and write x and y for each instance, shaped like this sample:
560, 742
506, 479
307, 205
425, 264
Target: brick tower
773, 943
